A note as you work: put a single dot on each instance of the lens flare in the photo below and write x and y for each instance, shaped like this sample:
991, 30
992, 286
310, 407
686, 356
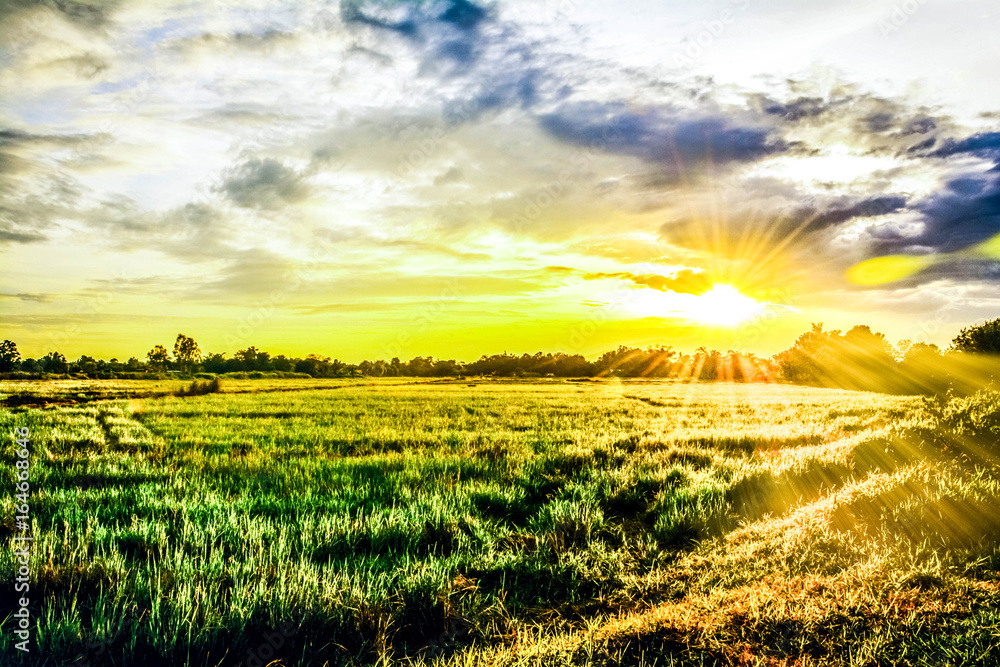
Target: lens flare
888, 269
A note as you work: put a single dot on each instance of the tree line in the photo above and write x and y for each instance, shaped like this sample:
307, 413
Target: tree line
856, 359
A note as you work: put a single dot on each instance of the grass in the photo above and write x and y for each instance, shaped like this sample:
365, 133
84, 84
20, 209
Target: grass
541, 523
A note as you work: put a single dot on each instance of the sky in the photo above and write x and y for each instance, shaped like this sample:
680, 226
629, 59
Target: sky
376, 179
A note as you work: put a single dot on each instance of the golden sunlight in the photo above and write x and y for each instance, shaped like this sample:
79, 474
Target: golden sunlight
724, 305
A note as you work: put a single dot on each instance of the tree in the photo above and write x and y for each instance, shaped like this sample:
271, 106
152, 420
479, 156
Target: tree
314, 365
158, 358
980, 338
85, 364
281, 363
921, 352
54, 362
30, 366
810, 359
186, 353
214, 362
9, 356
252, 359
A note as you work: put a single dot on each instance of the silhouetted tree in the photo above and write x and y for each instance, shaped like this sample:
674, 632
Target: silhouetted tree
86, 365
214, 362
186, 353
31, 366
158, 358
54, 362
9, 356
980, 338
281, 363
805, 362
314, 365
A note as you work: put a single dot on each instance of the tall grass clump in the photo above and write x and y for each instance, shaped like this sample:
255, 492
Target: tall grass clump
196, 388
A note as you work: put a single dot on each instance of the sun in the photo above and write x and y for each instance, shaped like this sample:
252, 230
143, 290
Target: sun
723, 305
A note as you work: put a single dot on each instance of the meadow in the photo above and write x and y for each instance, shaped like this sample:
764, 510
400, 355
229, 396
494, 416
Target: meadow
471, 522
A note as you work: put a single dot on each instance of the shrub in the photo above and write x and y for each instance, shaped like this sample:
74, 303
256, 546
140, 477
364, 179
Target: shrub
213, 386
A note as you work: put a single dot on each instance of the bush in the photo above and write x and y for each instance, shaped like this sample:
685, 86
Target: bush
213, 386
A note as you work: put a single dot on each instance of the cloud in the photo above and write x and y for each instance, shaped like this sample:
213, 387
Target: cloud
11, 139
674, 140
396, 17
984, 145
797, 109
251, 273
263, 183
858, 117
812, 219
685, 281
27, 296
982, 142
90, 14
964, 213
8, 234
773, 212
408, 18
264, 41
85, 65
449, 29
32, 194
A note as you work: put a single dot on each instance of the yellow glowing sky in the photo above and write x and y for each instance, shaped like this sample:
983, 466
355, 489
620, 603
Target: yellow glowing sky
378, 179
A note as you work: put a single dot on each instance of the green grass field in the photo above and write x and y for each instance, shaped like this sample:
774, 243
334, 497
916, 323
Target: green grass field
293, 522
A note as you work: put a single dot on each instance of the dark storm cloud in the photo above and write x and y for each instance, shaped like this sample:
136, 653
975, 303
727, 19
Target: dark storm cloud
660, 136
816, 219
984, 144
263, 183
964, 213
